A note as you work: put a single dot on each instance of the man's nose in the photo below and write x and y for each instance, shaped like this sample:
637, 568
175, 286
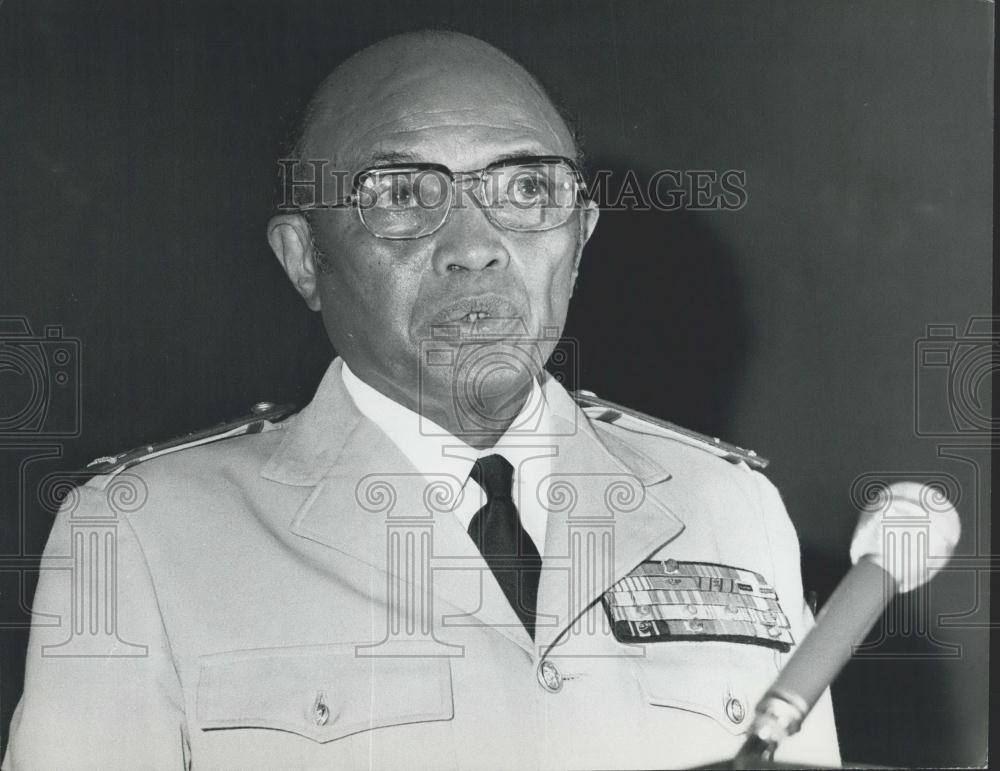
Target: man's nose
469, 240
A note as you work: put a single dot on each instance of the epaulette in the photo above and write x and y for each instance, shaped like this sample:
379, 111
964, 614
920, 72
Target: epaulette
253, 423
609, 412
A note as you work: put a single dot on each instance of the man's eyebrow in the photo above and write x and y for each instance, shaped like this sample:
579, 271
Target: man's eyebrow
388, 158
517, 155
394, 157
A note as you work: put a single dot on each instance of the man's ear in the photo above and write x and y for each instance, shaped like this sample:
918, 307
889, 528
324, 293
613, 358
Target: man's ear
291, 241
588, 221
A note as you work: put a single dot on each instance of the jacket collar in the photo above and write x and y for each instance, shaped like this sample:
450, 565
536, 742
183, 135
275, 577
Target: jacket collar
315, 438
610, 508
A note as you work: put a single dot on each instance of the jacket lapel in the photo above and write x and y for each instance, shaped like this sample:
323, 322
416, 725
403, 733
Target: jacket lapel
610, 508
366, 494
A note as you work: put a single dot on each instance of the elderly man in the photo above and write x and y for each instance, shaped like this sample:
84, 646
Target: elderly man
444, 560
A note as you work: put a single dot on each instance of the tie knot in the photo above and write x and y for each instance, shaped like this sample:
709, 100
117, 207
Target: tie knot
495, 475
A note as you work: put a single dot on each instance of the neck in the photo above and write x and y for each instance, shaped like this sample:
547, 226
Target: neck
478, 422
478, 419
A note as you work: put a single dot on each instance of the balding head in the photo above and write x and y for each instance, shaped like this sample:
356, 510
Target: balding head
418, 80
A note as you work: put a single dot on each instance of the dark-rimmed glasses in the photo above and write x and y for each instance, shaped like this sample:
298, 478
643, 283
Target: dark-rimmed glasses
527, 194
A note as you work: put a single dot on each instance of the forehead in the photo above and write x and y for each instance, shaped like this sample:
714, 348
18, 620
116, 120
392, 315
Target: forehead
463, 117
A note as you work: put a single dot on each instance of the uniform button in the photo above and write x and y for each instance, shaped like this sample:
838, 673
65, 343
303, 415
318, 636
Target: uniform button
644, 610
694, 625
735, 710
692, 610
261, 407
549, 676
774, 631
321, 712
670, 566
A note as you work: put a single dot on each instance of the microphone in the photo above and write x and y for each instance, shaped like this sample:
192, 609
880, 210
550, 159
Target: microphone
895, 535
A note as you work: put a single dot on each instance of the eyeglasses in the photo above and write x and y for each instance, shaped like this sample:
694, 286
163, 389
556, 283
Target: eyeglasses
409, 201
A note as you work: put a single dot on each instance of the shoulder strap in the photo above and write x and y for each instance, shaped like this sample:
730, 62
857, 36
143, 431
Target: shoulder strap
609, 412
260, 413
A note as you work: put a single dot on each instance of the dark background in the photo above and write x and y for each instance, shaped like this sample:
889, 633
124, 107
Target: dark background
137, 147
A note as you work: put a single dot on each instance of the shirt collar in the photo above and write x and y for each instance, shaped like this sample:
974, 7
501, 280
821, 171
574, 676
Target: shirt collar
433, 449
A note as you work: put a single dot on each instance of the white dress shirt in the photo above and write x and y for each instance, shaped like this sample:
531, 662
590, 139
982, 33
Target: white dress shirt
528, 445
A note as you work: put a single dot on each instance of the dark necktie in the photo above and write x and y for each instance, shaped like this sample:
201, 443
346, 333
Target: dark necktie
506, 547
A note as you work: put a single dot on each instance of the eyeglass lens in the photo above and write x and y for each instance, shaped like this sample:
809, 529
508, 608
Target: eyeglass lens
410, 203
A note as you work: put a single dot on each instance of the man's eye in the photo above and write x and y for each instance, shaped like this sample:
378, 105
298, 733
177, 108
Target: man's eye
388, 192
528, 188
398, 193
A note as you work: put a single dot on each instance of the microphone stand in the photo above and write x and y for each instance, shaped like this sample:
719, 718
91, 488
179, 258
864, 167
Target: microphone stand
883, 567
850, 613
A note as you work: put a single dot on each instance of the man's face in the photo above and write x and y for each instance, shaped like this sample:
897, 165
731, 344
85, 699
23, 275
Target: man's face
381, 299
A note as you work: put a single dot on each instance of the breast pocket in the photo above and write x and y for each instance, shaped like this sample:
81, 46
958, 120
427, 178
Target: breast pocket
322, 693
719, 680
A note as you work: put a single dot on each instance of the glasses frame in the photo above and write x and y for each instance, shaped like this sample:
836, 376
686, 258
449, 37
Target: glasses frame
353, 200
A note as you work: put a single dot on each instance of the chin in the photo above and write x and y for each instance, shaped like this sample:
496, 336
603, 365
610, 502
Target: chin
493, 384
485, 372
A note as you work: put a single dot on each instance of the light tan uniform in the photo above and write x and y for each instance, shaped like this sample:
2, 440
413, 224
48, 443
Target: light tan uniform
292, 599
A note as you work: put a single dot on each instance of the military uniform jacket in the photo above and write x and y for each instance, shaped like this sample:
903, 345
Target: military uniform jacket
298, 598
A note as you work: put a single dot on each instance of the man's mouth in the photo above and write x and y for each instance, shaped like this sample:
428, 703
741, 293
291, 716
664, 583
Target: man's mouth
472, 309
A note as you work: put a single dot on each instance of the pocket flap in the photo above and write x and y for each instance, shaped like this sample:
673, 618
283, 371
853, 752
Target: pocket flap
723, 681
321, 692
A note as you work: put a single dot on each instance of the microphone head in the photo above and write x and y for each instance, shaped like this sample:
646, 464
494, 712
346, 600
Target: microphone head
907, 523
